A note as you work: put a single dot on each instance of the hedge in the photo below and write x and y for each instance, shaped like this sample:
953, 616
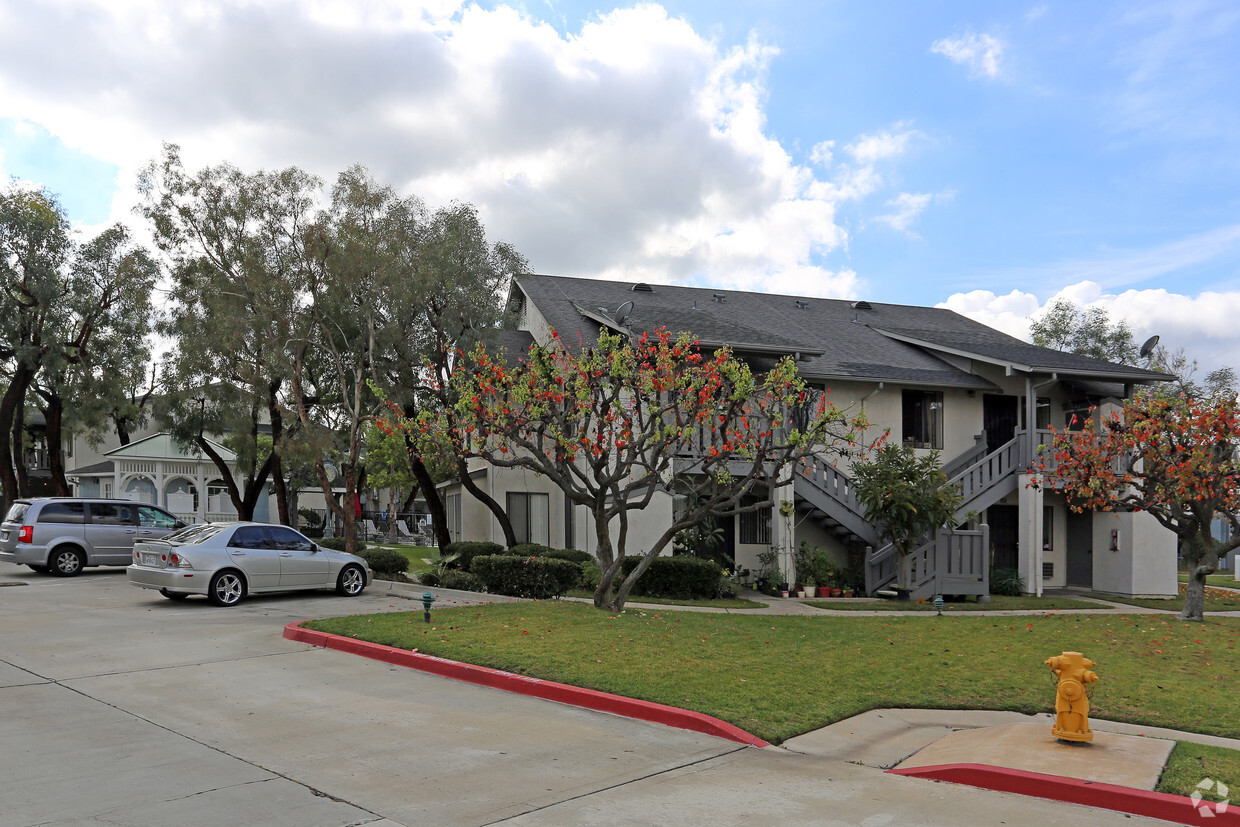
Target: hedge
337, 544
574, 554
467, 550
675, 577
529, 550
535, 577
385, 560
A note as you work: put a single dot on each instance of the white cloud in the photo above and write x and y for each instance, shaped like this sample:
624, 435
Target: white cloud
907, 207
636, 147
1204, 324
982, 53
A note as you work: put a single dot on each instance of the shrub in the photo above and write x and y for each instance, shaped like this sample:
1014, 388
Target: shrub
312, 518
467, 550
463, 580
536, 577
529, 550
591, 573
1007, 582
675, 577
337, 544
386, 561
574, 554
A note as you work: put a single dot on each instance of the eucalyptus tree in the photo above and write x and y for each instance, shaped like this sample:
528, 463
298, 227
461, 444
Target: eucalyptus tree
236, 249
35, 246
100, 327
449, 300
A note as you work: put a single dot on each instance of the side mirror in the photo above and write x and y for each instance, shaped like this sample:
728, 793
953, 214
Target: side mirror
179, 524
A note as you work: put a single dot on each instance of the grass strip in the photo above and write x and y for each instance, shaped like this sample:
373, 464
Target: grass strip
1227, 581
780, 676
998, 603
1217, 600
710, 603
1190, 764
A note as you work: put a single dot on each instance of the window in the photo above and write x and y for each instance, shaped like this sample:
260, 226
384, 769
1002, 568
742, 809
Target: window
1048, 528
529, 516
249, 536
111, 514
155, 518
570, 533
1043, 412
923, 418
755, 525
63, 513
286, 539
1074, 418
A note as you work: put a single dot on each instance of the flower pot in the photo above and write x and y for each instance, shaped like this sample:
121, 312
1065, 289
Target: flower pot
800, 592
783, 592
811, 591
837, 592
904, 595
848, 593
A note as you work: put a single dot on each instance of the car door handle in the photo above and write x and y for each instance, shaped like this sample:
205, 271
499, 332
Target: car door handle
237, 553
285, 554
131, 531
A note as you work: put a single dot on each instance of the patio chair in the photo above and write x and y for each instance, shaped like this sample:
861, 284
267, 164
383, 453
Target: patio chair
370, 529
403, 530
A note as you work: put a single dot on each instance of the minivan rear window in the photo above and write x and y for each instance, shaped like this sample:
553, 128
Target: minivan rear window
16, 512
62, 513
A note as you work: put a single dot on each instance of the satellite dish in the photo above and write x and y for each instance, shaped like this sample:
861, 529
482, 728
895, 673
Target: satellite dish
1148, 347
623, 311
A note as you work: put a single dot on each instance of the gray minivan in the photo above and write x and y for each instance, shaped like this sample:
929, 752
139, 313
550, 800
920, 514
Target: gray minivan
63, 535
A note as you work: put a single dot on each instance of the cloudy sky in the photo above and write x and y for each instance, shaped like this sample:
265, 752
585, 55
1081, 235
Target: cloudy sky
988, 157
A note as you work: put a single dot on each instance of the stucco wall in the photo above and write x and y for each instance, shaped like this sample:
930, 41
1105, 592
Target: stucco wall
1143, 562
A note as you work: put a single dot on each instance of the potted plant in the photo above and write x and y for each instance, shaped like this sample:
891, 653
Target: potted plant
811, 586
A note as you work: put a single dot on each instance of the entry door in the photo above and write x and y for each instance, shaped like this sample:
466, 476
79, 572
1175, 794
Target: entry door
1080, 528
1000, 415
1002, 520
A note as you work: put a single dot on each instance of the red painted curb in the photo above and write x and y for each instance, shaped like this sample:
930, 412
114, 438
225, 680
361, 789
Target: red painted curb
1175, 808
534, 687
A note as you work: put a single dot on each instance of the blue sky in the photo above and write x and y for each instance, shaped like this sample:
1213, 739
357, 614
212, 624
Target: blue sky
986, 156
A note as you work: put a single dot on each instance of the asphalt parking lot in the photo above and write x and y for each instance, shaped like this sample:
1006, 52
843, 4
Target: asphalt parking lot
120, 707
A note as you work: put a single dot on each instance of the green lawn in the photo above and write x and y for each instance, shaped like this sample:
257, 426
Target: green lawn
1191, 763
1217, 600
1227, 581
713, 603
997, 603
781, 676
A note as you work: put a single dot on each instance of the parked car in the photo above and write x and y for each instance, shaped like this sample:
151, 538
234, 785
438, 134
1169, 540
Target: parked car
227, 561
63, 535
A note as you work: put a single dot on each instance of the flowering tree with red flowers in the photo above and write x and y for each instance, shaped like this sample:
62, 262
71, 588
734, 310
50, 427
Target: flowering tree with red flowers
614, 424
1173, 457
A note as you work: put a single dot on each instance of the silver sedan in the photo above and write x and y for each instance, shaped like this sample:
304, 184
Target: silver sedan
227, 561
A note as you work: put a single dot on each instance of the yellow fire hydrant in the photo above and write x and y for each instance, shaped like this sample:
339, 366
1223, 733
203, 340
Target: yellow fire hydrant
1071, 700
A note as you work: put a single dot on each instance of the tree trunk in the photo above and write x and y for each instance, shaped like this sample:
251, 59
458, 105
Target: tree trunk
609, 563
11, 406
53, 414
439, 517
18, 440
510, 536
283, 511
1201, 556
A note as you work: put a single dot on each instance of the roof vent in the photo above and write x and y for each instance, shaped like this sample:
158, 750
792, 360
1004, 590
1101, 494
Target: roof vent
802, 304
718, 297
642, 287
862, 305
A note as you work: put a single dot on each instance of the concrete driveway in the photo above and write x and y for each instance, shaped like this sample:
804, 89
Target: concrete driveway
120, 707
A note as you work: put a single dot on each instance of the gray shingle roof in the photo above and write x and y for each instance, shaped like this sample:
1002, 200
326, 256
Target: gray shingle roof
887, 342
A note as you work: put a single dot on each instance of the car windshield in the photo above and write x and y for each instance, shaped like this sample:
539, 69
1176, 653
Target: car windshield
194, 533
